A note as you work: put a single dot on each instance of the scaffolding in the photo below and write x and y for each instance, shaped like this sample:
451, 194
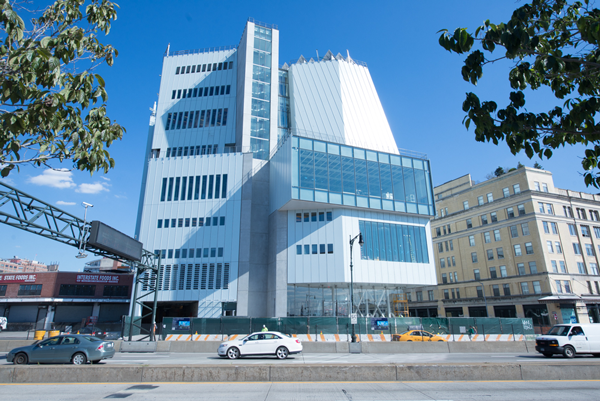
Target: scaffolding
399, 305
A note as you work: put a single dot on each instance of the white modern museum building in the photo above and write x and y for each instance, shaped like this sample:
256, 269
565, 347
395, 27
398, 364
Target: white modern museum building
258, 175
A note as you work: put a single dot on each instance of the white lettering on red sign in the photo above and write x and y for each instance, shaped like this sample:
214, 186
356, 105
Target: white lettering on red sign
97, 278
18, 278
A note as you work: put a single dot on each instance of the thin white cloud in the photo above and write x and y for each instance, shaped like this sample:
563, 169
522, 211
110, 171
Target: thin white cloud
94, 188
120, 197
106, 179
7, 180
54, 178
63, 203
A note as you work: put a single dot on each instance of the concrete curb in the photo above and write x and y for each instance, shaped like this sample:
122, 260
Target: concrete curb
296, 373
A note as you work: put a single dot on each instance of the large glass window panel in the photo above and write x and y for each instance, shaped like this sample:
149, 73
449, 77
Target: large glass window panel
307, 169
424, 246
400, 235
394, 243
369, 240
388, 242
321, 175
361, 228
408, 249
410, 194
261, 58
260, 108
284, 113
295, 167
348, 183
418, 240
387, 191
382, 247
375, 234
374, 181
261, 73
261, 90
398, 182
335, 173
346, 151
260, 148
421, 186
259, 128
262, 44
362, 187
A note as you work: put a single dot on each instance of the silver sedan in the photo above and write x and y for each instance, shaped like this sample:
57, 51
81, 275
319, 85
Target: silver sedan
73, 348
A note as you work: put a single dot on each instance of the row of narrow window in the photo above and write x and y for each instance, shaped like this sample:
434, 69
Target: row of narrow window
193, 222
314, 249
193, 151
191, 253
190, 69
197, 119
178, 188
313, 216
199, 92
189, 277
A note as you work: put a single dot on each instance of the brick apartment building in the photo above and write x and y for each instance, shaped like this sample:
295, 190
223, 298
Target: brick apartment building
59, 298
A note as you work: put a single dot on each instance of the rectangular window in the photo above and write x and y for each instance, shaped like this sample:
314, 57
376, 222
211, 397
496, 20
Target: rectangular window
329, 216
479, 291
314, 249
576, 248
329, 248
487, 238
554, 266
500, 253
490, 198
510, 213
514, 233
537, 288
593, 269
563, 268
581, 267
497, 235
493, 272
517, 248
567, 286
525, 288
516, 189
442, 263
298, 249
484, 219
474, 257
496, 290
322, 249
558, 247
528, 248
589, 250
521, 269
568, 211
546, 227
33, 289
597, 232
469, 223
466, 205
505, 192
506, 289
187, 221
533, 268
476, 274
84, 290
521, 209
471, 240
585, 231
490, 254
453, 261
480, 200
503, 271
549, 245
494, 217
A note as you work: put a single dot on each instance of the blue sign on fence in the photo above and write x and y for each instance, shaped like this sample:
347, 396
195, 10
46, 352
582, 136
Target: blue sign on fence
378, 323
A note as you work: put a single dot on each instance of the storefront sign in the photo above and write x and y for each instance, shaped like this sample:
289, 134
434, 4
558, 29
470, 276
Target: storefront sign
379, 324
18, 278
97, 278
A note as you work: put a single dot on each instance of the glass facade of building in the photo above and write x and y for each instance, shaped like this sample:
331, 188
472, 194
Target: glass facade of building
344, 175
261, 93
393, 242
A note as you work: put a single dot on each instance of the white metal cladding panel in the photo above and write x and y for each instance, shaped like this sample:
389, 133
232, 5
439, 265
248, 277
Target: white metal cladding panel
315, 100
337, 101
195, 237
365, 122
280, 183
274, 89
335, 268
169, 82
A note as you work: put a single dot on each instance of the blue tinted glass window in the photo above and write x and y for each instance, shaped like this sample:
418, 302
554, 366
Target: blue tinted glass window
363, 251
335, 174
421, 186
369, 239
307, 169
298, 249
306, 249
387, 191
348, 184
424, 245
374, 182
388, 242
211, 182
374, 233
394, 242
321, 181
362, 187
381, 235
410, 194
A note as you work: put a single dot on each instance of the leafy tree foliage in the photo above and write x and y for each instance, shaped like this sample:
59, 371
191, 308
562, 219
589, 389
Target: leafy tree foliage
51, 101
499, 171
553, 44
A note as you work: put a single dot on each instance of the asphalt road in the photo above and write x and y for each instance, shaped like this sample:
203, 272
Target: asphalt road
160, 358
335, 391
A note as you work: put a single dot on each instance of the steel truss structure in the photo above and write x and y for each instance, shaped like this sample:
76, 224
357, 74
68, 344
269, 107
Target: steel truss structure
26, 212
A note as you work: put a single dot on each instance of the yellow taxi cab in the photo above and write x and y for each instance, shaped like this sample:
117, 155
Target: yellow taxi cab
417, 335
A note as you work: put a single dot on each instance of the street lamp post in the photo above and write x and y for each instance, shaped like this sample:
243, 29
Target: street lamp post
484, 298
360, 242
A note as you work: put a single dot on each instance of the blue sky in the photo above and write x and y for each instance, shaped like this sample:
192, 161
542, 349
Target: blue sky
419, 84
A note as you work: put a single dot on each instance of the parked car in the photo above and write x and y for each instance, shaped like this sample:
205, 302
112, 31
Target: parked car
261, 343
73, 348
417, 335
570, 339
3, 323
97, 332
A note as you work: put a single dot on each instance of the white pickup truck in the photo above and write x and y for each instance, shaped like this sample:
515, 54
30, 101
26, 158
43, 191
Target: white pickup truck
570, 339
3, 323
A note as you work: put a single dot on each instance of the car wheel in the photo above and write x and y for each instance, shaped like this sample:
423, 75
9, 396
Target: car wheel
21, 359
440, 341
233, 353
282, 353
569, 352
409, 341
547, 354
79, 359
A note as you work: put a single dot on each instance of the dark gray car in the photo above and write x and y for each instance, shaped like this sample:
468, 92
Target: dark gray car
73, 348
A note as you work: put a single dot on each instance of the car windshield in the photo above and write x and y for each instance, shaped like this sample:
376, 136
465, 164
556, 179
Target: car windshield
559, 331
404, 332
